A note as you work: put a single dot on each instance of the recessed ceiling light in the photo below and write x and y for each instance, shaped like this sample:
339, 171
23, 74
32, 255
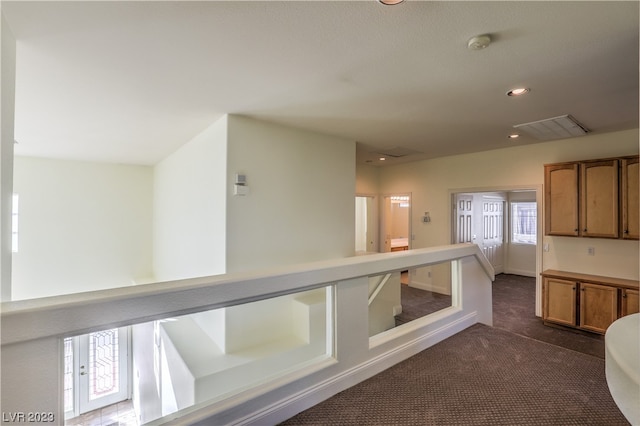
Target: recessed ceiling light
518, 91
513, 136
390, 2
381, 158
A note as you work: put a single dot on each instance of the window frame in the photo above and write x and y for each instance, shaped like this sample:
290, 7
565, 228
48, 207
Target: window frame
513, 220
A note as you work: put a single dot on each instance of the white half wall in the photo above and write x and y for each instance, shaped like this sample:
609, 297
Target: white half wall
189, 207
82, 226
300, 207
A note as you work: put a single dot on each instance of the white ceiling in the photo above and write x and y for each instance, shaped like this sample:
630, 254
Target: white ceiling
130, 82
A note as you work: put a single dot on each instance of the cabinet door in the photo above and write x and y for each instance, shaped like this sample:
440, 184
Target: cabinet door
559, 298
561, 199
599, 199
630, 204
630, 302
598, 306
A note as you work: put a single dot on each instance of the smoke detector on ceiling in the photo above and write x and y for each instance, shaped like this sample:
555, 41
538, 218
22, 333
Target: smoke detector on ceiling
479, 42
560, 127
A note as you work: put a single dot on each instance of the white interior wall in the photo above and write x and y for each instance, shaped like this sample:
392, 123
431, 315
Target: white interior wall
83, 226
431, 182
301, 202
8, 76
190, 207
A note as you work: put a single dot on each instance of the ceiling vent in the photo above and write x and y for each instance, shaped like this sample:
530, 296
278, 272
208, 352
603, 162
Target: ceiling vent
397, 152
561, 127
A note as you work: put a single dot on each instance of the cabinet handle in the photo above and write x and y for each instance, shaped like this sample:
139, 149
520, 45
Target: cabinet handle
624, 295
585, 230
626, 231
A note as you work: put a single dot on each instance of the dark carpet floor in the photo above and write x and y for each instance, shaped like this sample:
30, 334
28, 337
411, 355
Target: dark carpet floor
417, 303
519, 372
514, 310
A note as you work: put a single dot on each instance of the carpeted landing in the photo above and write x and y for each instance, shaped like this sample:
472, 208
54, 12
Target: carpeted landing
514, 310
482, 376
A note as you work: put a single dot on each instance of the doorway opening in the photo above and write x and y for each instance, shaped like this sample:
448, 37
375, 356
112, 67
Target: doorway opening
96, 371
396, 223
506, 225
366, 224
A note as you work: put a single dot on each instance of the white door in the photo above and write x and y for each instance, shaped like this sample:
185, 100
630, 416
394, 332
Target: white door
366, 224
493, 231
464, 219
99, 376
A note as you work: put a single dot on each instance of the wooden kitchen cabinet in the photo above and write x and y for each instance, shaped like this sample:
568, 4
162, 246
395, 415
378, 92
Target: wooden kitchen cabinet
598, 306
630, 176
630, 302
594, 198
599, 199
561, 199
559, 301
587, 302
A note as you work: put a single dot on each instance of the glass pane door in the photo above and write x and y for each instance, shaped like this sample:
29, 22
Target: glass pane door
96, 370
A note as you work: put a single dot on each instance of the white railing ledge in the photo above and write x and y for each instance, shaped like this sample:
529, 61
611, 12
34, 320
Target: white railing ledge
79, 313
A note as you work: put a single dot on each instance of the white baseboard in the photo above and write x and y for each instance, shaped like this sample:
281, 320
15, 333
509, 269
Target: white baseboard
430, 287
296, 403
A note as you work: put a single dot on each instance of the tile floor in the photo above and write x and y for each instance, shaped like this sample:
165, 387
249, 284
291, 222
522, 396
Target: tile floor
120, 414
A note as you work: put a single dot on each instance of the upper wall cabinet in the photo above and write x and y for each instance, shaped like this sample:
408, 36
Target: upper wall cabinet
561, 199
596, 198
630, 204
599, 199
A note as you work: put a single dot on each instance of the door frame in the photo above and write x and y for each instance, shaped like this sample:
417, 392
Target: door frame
375, 228
540, 225
123, 332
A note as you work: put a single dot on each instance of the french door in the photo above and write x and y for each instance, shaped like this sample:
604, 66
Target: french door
493, 231
96, 370
464, 222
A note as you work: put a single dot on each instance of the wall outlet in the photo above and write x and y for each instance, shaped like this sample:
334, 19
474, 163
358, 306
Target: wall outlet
545, 247
591, 251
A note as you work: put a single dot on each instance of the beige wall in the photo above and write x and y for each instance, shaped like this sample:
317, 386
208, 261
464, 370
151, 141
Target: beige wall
432, 181
301, 204
83, 226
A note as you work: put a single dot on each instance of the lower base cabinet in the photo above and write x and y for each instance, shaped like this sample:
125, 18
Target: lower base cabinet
598, 306
630, 302
560, 301
586, 302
